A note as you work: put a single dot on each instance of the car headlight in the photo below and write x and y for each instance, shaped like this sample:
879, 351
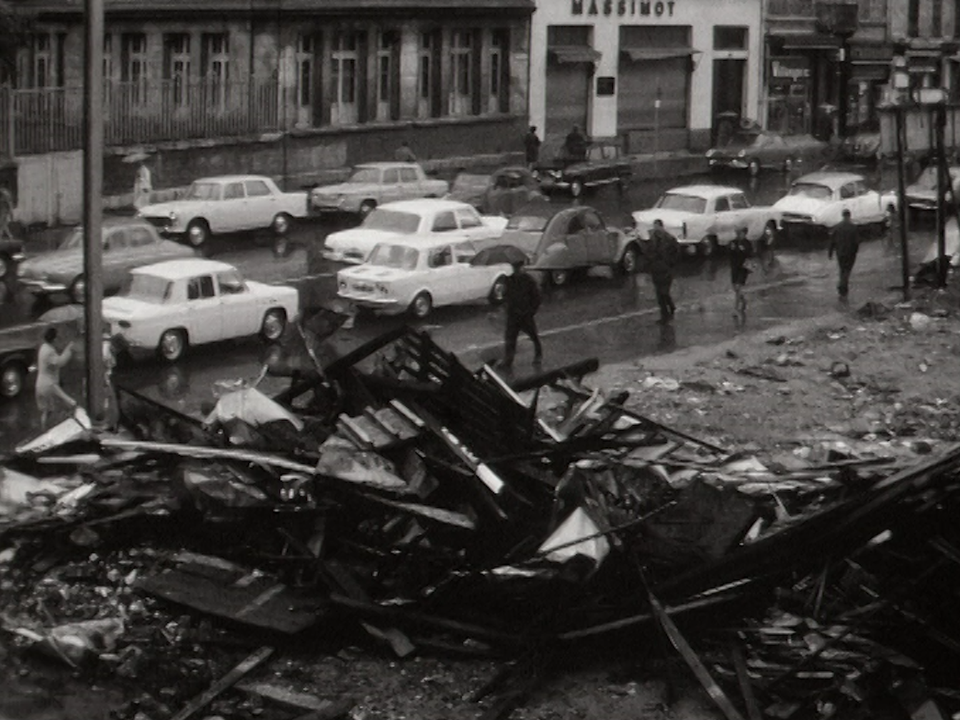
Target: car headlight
742, 153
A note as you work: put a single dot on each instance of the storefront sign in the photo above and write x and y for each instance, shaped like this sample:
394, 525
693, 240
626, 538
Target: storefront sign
623, 8
782, 69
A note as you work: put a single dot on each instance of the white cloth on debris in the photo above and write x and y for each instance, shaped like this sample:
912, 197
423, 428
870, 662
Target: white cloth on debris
251, 406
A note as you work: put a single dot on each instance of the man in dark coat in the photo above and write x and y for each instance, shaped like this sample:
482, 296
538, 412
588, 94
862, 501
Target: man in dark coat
522, 300
845, 241
575, 144
663, 252
531, 146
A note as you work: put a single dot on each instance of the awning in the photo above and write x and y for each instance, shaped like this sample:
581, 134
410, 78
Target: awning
574, 54
636, 54
870, 71
805, 41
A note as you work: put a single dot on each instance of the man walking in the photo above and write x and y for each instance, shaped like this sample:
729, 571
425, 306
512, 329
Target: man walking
405, 153
664, 252
49, 394
575, 145
531, 146
740, 250
845, 241
522, 300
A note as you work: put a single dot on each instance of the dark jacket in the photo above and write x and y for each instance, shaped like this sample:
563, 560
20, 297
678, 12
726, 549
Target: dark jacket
531, 144
575, 146
663, 252
522, 297
739, 251
845, 241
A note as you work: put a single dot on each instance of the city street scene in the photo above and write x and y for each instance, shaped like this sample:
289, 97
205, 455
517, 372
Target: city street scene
429, 359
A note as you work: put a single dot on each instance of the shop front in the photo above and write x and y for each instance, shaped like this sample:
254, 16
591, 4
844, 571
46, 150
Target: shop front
653, 73
802, 84
869, 73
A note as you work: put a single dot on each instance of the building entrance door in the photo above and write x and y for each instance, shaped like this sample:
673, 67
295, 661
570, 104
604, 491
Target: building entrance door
728, 78
568, 91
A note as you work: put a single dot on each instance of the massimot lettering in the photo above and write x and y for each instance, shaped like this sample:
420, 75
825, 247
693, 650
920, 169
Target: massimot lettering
623, 8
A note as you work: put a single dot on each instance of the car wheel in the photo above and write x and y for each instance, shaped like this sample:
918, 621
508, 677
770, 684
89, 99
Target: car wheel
558, 278
769, 236
281, 224
421, 305
274, 323
367, 207
576, 188
13, 376
498, 292
172, 346
708, 246
630, 261
754, 167
78, 289
198, 232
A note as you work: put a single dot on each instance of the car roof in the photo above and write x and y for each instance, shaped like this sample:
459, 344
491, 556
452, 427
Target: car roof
231, 178
425, 242
422, 205
187, 267
830, 179
385, 164
706, 191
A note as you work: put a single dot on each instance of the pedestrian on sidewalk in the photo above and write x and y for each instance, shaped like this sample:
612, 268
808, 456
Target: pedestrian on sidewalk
664, 253
740, 251
575, 145
142, 184
405, 153
50, 396
521, 300
844, 241
531, 146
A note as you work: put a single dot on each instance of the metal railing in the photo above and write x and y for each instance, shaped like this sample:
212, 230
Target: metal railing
51, 119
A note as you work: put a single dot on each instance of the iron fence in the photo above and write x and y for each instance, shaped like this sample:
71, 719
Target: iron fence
51, 119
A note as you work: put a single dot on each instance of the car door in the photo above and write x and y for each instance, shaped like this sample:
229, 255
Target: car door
471, 225
201, 312
116, 259
724, 219
869, 206
739, 217
410, 183
232, 212
469, 282
849, 201
577, 242
262, 204
391, 189
442, 274
596, 238
239, 314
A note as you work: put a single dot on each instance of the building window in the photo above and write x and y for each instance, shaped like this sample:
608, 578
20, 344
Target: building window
428, 75
107, 74
499, 71
304, 60
936, 19
42, 61
461, 59
387, 75
176, 67
345, 76
727, 37
913, 18
216, 69
134, 67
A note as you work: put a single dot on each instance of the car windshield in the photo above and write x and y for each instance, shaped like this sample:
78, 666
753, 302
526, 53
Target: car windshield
527, 223
365, 175
146, 288
684, 203
392, 221
811, 190
203, 191
393, 256
74, 240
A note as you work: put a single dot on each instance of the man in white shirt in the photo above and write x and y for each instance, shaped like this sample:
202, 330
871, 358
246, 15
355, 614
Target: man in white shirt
50, 396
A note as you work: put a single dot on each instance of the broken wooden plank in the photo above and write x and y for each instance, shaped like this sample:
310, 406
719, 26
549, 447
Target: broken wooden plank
225, 682
743, 678
297, 701
199, 452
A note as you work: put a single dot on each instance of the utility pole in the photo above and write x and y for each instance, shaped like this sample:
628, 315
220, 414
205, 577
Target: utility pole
943, 182
898, 113
92, 205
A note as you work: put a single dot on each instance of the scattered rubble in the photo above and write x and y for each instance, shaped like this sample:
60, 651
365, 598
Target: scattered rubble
437, 509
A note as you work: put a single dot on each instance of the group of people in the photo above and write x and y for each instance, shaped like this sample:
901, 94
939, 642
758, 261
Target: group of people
574, 146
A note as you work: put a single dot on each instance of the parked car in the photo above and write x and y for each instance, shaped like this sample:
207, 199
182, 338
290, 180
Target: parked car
503, 192
605, 163
755, 149
921, 194
706, 217
227, 204
861, 147
816, 201
168, 306
559, 240
127, 243
424, 219
373, 184
419, 275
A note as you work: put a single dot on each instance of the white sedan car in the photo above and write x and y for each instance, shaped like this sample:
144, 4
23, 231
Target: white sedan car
170, 305
816, 202
226, 204
450, 220
418, 275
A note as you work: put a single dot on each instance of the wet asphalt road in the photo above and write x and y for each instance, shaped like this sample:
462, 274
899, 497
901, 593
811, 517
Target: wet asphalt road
604, 315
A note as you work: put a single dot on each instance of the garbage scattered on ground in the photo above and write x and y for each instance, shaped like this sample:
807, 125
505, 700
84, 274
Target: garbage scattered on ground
438, 509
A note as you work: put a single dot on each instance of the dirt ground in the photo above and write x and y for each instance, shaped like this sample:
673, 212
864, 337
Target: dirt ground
879, 378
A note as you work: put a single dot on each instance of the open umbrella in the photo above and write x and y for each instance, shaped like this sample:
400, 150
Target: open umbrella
499, 255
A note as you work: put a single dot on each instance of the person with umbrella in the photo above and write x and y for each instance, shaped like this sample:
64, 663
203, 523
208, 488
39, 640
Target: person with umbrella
522, 300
